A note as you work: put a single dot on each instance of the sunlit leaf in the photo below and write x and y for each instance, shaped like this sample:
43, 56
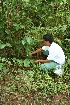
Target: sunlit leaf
26, 62
7, 31
68, 19
23, 42
2, 46
29, 40
26, 0
8, 44
67, 40
68, 61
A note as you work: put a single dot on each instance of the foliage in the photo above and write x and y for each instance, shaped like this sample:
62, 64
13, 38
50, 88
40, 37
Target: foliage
28, 43
2, 45
22, 26
29, 81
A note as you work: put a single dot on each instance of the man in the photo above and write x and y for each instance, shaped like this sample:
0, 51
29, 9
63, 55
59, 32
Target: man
55, 58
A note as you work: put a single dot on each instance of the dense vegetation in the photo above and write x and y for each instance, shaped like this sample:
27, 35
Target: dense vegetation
22, 25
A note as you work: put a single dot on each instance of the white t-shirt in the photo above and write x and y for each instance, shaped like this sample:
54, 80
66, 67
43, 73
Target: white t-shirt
55, 53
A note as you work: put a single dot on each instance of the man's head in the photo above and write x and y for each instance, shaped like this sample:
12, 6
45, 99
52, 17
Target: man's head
48, 39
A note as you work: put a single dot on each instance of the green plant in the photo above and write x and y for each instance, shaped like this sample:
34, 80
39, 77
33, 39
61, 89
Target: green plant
2, 45
22, 26
28, 44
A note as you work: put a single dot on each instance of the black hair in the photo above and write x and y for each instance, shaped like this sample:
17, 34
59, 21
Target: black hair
48, 37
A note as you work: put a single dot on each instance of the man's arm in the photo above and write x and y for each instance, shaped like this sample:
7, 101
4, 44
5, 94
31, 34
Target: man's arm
38, 50
42, 61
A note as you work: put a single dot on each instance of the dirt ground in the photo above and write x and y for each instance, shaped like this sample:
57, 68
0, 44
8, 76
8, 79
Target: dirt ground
19, 99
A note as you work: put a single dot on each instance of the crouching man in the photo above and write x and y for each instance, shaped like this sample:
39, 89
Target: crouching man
54, 54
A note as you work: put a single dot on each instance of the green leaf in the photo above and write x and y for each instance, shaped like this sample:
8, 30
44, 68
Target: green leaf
29, 40
67, 40
65, 1
50, 17
8, 44
1, 65
0, 9
2, 46
68, 19
23, 42
26, 62
20, 62
68, 2
7, 31
3, 59
17, 27
15, 24
26, 0
64, 28
22, 26
68, 61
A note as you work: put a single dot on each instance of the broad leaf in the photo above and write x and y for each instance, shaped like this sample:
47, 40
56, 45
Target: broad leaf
2, 46
67, 40
29, 40
7, 31
23, 42
68, 61
8, 44
68, 19
26, 62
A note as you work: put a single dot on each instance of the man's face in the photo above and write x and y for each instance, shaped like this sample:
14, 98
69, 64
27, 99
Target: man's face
47, 43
